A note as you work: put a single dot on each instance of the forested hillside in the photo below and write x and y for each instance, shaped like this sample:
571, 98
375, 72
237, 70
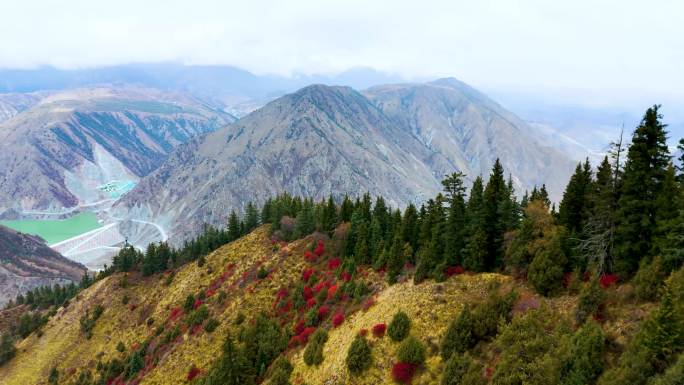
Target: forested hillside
472, 287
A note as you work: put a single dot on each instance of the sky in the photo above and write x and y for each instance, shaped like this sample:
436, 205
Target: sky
614, 48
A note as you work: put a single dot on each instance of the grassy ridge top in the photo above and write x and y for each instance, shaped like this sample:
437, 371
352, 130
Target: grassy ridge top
230, 278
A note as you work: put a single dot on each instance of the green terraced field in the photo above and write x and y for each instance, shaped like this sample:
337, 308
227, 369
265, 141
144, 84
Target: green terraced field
54, 231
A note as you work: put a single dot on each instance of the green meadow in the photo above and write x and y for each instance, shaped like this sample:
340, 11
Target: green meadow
54, 231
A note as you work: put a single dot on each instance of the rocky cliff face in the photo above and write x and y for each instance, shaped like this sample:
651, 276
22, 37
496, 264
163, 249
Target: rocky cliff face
26, 262
320, 140
465, 130
397, 141
56, 153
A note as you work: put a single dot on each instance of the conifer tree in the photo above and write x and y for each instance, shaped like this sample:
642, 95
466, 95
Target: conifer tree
234, 226
359, 356
642, 182
251, 217
596, 245
476, 241
573, 210
395, 259
306, 222
454, 237
666, 211
459, 336
346, 209
232, 368
494, 194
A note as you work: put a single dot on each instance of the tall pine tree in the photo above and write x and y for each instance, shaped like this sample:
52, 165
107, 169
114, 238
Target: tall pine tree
642, 183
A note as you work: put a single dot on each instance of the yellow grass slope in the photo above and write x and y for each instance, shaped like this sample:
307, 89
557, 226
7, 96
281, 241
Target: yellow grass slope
64, 346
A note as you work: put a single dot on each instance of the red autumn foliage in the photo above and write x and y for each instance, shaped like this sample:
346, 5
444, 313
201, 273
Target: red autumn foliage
194, 372
175, 313
608, 280
319, 286
337, 319
363, 332
299, 327
323, 312
334, 263
195, 329
379, 330
311, 302
332, 290
294, 341
198, 303
320, 248
346, 277
402, 372
454, 270
210, 293
344, 297
306, 274
284, 307
489, 372
304, 336
307, 293
309, 257
369, 302
282, 293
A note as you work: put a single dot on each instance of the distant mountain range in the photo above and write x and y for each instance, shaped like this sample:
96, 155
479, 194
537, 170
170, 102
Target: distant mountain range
396, 140
26, 263
59, 147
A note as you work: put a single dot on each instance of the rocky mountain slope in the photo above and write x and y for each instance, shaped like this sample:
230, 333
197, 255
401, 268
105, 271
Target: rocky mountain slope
58, 152
465, 130
397, 141
26, 263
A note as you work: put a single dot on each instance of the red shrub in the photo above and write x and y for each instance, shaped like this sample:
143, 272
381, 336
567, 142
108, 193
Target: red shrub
306, 274
379, 330
363, 332
309, 257
304, 336
320, 248
175, 313
210, 293
294, 341
307, 293
284, 307
344, 297
311, 302
323, 312
346, 277
369, 302
299, 327
608, 280
334, 263
282, 293
402, 372
337, 319
198, 303
332, 290
319, 286
195, 329
454, 270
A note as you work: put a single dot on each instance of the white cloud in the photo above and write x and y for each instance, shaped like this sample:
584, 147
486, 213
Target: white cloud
580, 44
